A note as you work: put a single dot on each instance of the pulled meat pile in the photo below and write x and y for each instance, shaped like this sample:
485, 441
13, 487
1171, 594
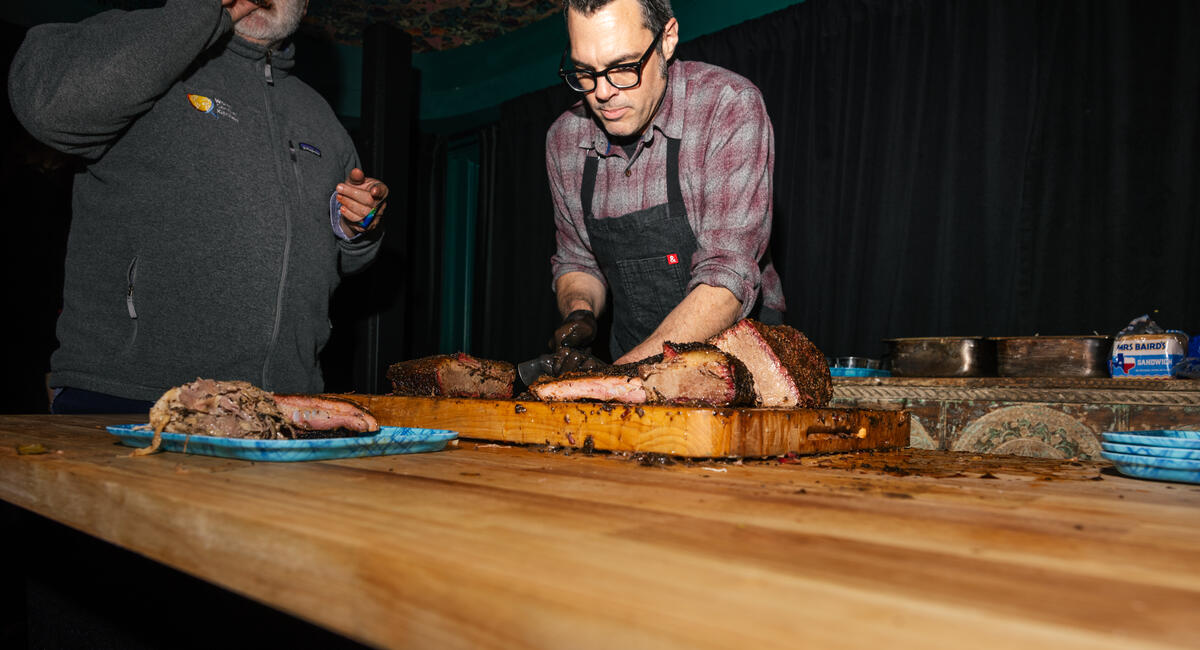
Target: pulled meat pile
238, 409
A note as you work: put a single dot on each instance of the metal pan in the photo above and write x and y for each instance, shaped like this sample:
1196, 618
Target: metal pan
1053, 356
942, 356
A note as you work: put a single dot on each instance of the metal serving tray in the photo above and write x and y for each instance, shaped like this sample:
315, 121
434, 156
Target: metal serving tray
942, 356
1053, 356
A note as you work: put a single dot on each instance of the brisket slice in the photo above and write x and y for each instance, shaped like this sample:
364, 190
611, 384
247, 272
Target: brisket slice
453, 375
685, 373
696, 373
612, 384
325, 416
237, 409
788, 369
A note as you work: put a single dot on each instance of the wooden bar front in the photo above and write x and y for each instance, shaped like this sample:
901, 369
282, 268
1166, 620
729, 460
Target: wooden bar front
1027, 416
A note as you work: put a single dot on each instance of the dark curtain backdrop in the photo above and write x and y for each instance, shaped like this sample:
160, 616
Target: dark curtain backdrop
942, 168
397, 299
514, 307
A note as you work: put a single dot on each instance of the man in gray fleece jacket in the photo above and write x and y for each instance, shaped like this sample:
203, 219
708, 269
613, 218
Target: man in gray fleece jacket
220, 205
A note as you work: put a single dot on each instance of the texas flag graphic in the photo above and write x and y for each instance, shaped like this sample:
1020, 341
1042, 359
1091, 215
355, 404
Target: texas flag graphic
1120, 363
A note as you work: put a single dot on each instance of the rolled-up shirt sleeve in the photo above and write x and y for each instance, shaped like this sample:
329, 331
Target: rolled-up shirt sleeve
734, 224
573, 248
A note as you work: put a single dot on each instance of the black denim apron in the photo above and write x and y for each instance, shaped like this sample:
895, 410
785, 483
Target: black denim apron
646, 256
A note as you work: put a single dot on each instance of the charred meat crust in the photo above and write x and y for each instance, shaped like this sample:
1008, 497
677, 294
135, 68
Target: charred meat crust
744, 382
803, 361
453, 375
417, 377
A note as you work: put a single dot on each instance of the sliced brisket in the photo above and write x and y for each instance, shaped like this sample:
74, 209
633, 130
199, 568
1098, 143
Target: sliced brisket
611, 384
788, 369
685, 373
696, 373
325, 416
453, 375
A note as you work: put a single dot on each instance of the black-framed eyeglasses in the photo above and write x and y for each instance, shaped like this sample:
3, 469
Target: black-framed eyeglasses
621, 75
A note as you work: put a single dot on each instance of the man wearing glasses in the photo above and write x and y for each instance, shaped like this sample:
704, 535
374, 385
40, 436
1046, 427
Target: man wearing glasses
661, 179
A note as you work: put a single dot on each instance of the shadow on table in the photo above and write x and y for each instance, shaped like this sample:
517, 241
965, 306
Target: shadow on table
60, 588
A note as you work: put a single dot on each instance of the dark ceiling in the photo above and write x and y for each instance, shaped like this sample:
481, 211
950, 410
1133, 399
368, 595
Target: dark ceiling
433, 24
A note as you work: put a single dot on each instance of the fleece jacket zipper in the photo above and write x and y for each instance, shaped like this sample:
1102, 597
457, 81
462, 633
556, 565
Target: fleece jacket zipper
273, 138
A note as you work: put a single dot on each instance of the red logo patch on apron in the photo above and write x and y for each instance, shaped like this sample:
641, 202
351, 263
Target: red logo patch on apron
672, 259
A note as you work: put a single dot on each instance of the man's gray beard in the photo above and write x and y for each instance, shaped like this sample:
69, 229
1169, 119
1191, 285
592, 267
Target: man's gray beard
274, 28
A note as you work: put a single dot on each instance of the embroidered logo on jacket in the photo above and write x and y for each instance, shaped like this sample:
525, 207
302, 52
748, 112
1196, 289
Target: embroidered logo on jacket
212, 106
310, 149
672, 259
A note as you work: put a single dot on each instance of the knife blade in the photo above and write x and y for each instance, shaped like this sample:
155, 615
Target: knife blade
530, 370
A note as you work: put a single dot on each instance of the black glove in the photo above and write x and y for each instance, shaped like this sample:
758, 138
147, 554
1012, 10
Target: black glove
571, 360
578, 330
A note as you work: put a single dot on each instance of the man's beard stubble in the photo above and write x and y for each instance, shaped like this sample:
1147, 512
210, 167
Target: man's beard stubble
273, 25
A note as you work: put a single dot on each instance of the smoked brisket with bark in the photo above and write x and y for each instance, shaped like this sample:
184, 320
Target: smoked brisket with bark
685, 373
453, 375
612, 384
788, 369
696, 373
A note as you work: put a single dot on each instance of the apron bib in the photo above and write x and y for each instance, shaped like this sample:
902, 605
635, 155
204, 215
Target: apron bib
646, 256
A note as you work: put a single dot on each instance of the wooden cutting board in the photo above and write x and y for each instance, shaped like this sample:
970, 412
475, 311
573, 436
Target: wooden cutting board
674, 430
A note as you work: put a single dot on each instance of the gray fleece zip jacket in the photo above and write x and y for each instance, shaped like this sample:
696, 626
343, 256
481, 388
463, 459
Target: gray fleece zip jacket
200, 241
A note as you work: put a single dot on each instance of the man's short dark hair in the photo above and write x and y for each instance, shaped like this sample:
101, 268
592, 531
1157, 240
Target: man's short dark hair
655, 13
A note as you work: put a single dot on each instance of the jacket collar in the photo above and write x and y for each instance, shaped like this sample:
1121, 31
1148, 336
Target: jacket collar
283, 58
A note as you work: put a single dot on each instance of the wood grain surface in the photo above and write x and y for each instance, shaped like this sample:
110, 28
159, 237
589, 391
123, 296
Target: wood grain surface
674, 430
487, 545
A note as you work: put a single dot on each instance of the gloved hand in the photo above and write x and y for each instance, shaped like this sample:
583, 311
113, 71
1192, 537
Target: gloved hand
578, 330
570, 360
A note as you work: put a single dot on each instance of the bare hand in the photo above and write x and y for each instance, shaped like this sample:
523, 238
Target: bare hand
362, 200
239, 9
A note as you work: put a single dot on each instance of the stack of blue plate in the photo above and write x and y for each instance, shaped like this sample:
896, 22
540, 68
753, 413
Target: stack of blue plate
1164, 455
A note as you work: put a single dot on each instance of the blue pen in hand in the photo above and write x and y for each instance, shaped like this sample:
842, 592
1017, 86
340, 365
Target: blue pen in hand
366, 222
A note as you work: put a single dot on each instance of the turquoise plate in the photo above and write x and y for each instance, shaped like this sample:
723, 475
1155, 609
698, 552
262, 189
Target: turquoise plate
1153, 467
1144, 450
389, 440
1155, 438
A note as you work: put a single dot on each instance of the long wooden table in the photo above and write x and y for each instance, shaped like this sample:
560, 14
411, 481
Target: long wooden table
493, 546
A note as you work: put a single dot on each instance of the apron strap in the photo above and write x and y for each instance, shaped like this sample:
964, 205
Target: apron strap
591, 167
674, 189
